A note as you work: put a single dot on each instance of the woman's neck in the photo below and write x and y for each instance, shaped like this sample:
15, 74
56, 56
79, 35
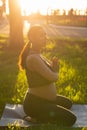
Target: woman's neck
34, 50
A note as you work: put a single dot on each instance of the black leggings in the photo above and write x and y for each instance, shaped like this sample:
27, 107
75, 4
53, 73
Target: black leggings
49, 111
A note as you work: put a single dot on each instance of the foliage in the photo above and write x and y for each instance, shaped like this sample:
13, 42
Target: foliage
44, 127
73, 67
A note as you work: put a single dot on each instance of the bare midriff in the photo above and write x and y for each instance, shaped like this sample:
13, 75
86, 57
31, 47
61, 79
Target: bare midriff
47, 92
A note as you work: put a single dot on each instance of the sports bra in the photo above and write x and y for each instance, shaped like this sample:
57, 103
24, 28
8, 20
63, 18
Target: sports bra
35, 79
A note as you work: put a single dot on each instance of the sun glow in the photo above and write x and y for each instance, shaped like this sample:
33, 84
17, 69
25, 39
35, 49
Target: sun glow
1, 3
35, 6
38, 6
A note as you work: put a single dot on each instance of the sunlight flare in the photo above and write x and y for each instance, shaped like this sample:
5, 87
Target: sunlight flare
1, 3
42, 6
31, 7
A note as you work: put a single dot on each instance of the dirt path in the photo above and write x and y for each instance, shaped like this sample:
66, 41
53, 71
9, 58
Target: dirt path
52, 30
65, 31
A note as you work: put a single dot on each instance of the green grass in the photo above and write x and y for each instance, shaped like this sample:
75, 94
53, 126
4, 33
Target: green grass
44, 127
72, 82
73, 67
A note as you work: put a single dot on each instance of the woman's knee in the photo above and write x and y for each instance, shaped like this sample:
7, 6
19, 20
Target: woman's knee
65, 116
72, 120
64, 101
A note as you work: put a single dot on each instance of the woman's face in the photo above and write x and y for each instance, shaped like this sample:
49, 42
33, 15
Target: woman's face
38, 38
41, 38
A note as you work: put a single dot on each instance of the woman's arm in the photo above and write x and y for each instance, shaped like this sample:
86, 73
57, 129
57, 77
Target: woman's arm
35, 63
55, 64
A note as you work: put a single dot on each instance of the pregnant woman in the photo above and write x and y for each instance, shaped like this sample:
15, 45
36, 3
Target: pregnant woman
41, 101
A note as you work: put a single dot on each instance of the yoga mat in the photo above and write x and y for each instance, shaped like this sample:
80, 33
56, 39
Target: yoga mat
13, 114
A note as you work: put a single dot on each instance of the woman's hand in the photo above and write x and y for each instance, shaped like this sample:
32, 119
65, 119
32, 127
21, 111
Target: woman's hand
55, 64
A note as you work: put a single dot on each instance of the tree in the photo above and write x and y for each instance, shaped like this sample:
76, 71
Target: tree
2, 8
86, 15
71, 12
16, 25
64, 12
4, 5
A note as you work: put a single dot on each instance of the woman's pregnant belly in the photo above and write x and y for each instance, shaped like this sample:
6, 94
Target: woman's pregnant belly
47, 92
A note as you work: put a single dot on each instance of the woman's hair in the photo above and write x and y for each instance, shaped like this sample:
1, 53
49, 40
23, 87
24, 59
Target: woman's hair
34, 30
25, 51
23, 55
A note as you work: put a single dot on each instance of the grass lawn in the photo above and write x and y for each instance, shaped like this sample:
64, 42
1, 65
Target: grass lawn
72, 82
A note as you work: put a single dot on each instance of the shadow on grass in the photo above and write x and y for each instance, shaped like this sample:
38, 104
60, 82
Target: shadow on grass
12, 81
8, 74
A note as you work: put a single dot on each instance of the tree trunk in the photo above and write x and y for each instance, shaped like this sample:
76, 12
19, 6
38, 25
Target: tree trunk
16, 24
